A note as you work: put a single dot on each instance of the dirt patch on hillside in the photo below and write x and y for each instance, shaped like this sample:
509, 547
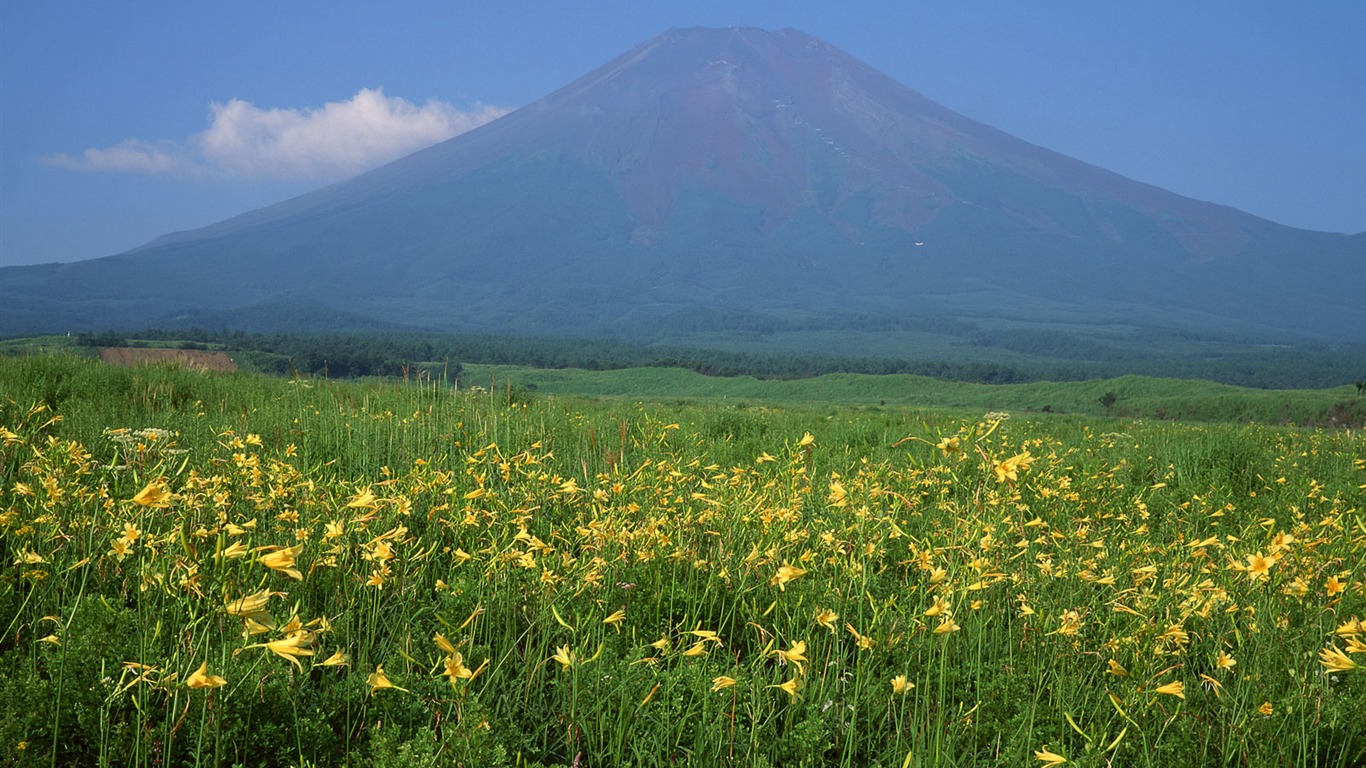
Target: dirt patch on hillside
190, 358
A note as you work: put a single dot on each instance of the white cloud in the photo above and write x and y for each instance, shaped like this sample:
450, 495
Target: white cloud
130, 155
327, 143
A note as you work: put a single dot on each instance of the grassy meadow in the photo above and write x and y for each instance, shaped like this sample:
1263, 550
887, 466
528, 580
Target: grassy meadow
1133, 396
229, 569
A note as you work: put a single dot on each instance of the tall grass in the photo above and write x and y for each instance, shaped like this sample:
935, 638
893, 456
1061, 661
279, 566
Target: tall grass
399, 573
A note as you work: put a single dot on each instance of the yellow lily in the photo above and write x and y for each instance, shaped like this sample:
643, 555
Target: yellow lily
721, 682
201, 678
786, 573
564, 656
456, 669
1049, 759
378, 680
155, 495
292, 647
338, 659
901, 685
796, 655
827, 618
790, 687
282, 560
1175, 688
1335, 660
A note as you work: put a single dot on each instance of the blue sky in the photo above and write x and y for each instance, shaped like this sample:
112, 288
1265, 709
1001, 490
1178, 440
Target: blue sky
120, 122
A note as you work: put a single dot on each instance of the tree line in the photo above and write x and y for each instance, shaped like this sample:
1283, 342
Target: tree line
354, 354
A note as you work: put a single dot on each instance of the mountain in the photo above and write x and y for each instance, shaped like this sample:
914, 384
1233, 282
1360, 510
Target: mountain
716, 181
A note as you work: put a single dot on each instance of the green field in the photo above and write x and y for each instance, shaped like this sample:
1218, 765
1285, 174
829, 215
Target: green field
650, 567
1134, 396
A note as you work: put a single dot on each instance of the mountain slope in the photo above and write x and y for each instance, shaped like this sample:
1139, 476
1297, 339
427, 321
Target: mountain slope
714, 170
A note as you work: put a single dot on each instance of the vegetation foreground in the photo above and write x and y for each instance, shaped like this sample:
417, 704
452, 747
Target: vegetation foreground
206, 570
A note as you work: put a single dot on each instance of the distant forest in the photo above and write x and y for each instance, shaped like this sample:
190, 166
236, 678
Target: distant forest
349, 355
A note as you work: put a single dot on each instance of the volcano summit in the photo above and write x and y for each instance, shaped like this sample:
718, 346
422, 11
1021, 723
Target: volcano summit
718, 178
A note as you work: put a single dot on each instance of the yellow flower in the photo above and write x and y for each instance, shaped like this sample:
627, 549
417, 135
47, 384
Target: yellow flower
1259, 566
721, 682
291, 647
1214, 685
443, 644
1335, 660
1296, 588
865, 643
155, 495
950, 446
1008, 471
29, 557
900, 685
790, 687
456, 669
946, 625
1175, 635
334, 529
796, 655
1224, 661
1049, 759
807, 439
120, 549
378, 680
282, 560
1176, 688
252, 607
697, 649
251, 626
827, 618
201, 678
838, 496
1117, 669
616, 619
786, 573
661, 644
363, 500
1333, 586
1071, 624
337, 659
1350, 627
940, 606
564, 656
1265, 708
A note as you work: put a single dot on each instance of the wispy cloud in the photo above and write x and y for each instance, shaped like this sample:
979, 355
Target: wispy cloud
326, 143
